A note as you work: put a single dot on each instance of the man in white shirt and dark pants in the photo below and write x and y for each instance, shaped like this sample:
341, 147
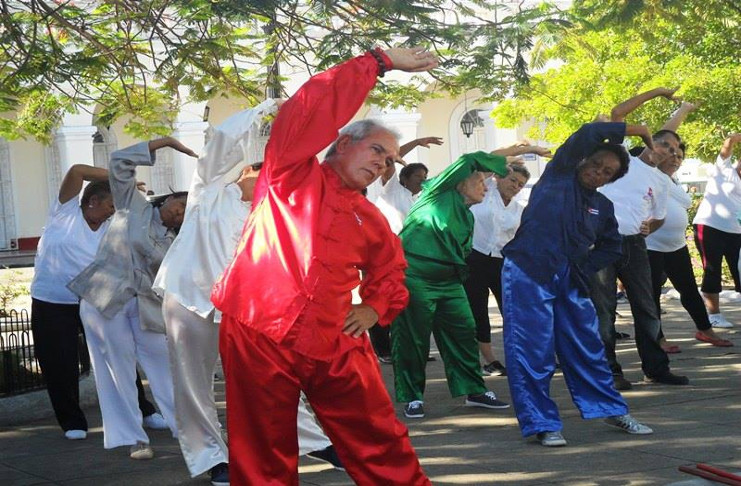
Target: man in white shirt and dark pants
639, 200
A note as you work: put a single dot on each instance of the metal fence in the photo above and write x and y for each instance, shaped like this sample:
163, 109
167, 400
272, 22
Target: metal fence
19, 369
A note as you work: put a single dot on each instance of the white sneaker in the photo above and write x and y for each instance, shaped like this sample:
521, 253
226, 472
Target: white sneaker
155, 422
75, 434
141, 451
629, 425
717, 320
551, 439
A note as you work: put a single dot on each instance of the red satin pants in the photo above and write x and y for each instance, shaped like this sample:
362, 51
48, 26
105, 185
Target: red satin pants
348, 395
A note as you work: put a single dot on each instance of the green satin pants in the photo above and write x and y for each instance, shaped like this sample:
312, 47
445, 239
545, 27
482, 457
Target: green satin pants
440, 308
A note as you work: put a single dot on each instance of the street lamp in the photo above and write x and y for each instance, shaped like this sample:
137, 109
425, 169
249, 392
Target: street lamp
467, 125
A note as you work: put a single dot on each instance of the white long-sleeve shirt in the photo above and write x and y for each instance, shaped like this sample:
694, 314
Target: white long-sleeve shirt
394, 201
214, 217
495, 223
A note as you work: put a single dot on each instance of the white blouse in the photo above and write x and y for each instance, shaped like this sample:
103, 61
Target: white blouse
494, 223
395, 201
671, 235
67, 246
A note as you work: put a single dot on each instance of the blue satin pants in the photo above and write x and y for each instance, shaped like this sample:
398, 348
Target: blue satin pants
540, 322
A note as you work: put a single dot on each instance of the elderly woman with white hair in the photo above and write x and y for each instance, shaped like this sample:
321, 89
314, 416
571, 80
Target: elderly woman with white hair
437, 239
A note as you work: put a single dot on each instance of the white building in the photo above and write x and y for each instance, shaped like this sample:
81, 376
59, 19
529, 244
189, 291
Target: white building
30, 173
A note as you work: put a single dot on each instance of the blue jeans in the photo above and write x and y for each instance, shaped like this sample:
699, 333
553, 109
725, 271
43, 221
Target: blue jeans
634, 270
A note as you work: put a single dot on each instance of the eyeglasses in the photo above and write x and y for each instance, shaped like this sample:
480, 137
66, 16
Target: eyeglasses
667, 146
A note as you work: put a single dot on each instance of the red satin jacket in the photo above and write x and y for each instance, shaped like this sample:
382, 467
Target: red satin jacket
309, 236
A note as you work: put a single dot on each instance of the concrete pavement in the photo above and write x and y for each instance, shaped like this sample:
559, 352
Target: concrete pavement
459, 445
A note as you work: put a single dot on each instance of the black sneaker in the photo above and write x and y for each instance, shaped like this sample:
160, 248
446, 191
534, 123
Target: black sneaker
414, 409
485, 400
328, 455
621, 384
495, 368
668, 378
220, 474
385, 359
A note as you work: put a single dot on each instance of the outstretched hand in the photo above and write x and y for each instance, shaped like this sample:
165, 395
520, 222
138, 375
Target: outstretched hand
360, 318
426, 141
668, 93
172, 143
412, 60
541, 151
178, 145
640, 131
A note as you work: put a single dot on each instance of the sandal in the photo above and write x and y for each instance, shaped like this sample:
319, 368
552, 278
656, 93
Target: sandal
671, 348
721, 343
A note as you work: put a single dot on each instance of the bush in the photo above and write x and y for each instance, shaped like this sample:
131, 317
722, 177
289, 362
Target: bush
10, 289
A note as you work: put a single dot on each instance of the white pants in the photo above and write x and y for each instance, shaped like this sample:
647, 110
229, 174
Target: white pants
193, 342
310, 436
115, 346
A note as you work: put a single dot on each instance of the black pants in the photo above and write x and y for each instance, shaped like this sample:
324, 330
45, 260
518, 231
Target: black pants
634, 271
380, 339
485, 274
714, 245
56, 329
677, 267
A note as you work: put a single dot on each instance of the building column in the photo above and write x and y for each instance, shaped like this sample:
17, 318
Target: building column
406, 123
193, 135
74, 145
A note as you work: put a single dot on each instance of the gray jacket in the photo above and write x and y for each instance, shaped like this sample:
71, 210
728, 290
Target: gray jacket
131, 250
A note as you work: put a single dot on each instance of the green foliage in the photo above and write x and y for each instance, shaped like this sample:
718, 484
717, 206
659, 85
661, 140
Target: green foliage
618, 49
140, 58
10, 289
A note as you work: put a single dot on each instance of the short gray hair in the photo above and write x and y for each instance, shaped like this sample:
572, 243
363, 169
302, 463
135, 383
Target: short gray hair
519, 169
359, 130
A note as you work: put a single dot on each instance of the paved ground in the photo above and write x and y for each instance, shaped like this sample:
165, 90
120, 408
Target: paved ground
458, 445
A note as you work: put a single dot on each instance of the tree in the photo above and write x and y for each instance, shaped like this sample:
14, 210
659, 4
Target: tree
617, 49
139, 57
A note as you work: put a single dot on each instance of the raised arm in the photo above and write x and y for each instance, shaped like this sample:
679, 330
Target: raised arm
122, 172
521, 148
405, 149
310, 119
625, 108
678, 116
224, 150
75, 177
583, 142
726, 151
462, 168
419, 142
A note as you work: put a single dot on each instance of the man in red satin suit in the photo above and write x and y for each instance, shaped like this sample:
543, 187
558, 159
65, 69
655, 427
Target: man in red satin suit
288, 320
